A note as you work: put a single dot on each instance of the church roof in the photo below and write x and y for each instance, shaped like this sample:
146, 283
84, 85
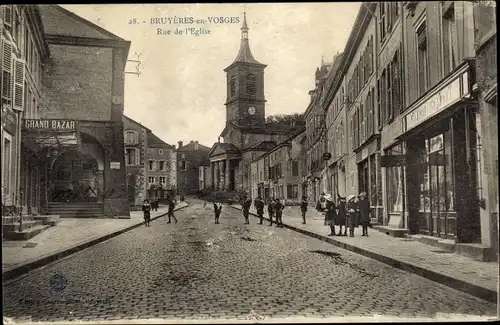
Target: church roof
221, 147
244, 53
262, 146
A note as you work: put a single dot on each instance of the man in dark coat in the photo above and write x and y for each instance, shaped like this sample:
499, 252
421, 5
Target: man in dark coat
259, 206
278, 208
170, 213
270, 209
364, 212
247, 203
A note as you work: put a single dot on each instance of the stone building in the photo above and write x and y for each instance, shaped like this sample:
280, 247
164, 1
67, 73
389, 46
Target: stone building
161, 160
246, 135
276, 173
190, 158
71, 144
486, 77
136, 143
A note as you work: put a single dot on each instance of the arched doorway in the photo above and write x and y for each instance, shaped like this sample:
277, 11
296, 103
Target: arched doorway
76, 177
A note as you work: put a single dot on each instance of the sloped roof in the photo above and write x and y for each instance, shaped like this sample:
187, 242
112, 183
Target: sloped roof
221, 147
155, 142
60, 21
263, 145
136, 123
245, 54
191, 147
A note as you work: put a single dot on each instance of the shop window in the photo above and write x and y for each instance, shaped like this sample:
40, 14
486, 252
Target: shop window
450, 40
374, 187
7, 166
395, 182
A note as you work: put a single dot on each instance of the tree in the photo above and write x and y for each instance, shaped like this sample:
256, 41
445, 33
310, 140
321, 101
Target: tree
285, 119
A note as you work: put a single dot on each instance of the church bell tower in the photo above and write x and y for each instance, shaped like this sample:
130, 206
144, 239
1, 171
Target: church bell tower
245, 103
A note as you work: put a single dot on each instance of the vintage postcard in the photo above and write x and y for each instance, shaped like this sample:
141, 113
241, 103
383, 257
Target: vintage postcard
249, 162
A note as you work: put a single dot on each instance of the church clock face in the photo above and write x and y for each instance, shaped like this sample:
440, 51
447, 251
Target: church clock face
251, 110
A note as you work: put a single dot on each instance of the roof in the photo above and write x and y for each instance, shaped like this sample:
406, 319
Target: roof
60, 21
245, 54
270, 128
191, 147
154, 141
222, 147
136, 123
263, 145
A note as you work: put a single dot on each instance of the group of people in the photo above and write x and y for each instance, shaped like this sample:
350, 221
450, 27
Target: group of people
147, 207
348, 213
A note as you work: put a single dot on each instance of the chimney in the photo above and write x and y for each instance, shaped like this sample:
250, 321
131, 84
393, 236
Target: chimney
218, 140
180, 144
196, 145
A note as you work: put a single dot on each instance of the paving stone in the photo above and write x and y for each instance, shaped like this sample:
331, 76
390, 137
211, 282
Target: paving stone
131, 276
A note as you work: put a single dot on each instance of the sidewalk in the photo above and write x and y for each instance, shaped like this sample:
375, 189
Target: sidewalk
69, 236
453, 270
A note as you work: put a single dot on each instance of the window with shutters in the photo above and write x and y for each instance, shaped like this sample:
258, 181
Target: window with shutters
130, 156
295, 168
422, 59
184, 165
7, 167
232, 85
289, 190
362, 124
131, 137
388, 103
396, 86
7, 17
18, 84
382, 22
450, 41
251, 84
16, 26
371, 112
6, 72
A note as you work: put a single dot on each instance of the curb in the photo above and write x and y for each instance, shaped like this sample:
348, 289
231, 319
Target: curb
17, 271
475, 290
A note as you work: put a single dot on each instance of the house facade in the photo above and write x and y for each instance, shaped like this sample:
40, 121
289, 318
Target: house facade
66, 156
161, 162
190, 158
136, 144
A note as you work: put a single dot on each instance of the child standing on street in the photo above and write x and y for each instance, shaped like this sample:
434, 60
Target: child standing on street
217, 211
270, 209
259, 206
352, 214
170, 213
303, 209
364, 212
247, 203
146, 209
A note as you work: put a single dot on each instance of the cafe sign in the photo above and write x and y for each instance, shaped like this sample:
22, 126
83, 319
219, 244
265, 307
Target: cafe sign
49, 125
437, 103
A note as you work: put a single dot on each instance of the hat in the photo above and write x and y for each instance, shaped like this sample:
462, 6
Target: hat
328, 197
350, 197
363, 194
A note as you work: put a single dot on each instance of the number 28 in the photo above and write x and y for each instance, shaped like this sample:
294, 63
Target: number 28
132, 21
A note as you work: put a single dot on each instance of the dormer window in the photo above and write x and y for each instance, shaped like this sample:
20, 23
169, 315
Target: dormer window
251, 84
232, 85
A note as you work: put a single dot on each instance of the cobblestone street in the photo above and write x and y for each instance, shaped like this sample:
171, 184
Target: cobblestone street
198, 269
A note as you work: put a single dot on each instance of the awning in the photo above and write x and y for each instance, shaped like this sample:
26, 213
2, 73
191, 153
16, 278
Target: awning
40, 140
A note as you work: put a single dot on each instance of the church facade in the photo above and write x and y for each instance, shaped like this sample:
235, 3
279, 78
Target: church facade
246, 135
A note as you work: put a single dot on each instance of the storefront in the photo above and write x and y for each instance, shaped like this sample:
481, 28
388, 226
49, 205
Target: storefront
69, 166
440, 152
369, 177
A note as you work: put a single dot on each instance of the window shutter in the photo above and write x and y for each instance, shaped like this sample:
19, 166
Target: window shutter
6, 70
7, 15
18, 84
137, 156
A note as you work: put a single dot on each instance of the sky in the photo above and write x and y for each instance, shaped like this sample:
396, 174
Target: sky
181, 90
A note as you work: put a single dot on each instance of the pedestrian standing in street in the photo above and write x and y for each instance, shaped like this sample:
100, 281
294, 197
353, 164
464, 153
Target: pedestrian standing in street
364, 212
247, 203
146, 209
303, 209
330, 214
259, 207
217, 211
270, 209
352, 214
278, 210
170, 213
341, 215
